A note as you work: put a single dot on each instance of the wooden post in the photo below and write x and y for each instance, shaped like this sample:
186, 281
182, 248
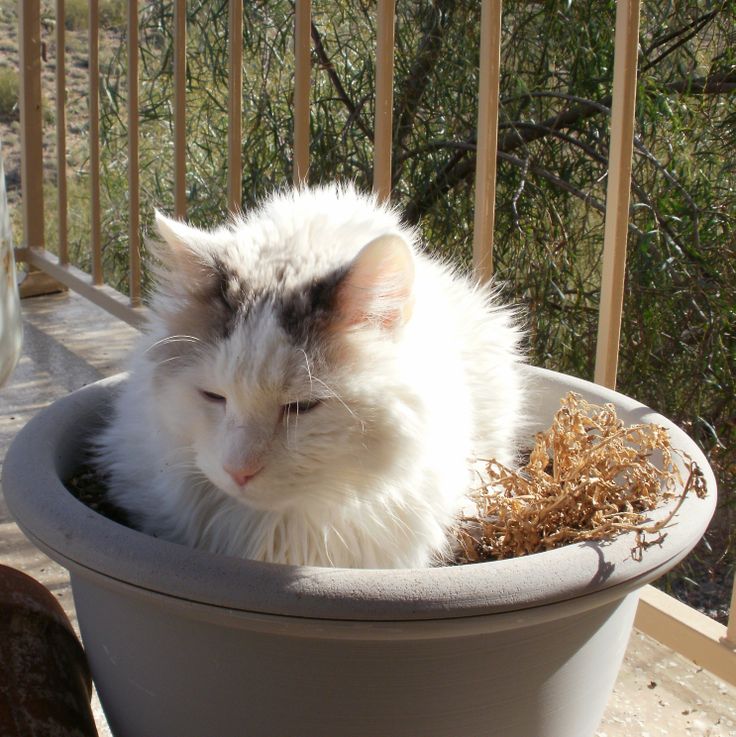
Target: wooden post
617, 196
384, 99
235, 106
134, 215
485, 169
180, 130
61, 132
31, 144
31, 122
731, 631
302, 74
94, 140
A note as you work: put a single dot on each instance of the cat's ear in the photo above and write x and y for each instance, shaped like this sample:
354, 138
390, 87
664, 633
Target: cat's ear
378, 287
184, 251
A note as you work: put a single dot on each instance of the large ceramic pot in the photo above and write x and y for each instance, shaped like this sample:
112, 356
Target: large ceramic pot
183, 643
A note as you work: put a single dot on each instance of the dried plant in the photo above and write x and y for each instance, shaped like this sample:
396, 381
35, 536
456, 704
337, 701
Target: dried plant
588, 477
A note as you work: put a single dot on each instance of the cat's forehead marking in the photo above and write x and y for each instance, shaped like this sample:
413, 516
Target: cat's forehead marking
233, 288
232, 295
306, 309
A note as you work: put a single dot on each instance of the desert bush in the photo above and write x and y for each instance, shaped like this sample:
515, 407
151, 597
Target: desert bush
9, 89
76, 15
112, 14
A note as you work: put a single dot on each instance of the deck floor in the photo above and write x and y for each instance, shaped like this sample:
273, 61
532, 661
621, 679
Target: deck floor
69, 343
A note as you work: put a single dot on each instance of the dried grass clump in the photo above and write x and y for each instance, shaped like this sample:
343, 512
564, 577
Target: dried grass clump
588, 478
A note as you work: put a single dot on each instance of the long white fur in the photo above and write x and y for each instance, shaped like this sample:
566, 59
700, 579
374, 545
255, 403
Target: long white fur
374, 476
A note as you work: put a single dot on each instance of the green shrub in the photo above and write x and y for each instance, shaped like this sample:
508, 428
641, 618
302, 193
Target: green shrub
9, 89
112, 14
76, 15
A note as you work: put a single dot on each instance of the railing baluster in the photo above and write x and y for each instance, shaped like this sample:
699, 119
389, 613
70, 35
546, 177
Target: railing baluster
180, 122
134, 216
384, 99
235, 105
29, 18
618, 192
485, 169
61, 132
731, 629
94, 141
302, 57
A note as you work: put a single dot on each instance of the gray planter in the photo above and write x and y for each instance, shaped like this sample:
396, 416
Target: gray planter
186, 643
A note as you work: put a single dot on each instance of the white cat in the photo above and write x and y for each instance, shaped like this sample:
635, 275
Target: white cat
312, 389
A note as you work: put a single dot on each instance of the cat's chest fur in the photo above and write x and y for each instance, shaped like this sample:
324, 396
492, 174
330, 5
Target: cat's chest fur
312, 389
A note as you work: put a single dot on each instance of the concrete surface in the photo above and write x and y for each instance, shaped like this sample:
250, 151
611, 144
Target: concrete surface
70, 343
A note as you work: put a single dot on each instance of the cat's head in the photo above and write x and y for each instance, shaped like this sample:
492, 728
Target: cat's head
283, 383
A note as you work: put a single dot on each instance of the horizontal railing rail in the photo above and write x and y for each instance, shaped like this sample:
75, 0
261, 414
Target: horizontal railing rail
687, 631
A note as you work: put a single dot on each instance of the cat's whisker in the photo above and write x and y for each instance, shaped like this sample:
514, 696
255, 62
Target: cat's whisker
173, 339
336, 532
401, 523
334, 395
167, 360
309, 369
326, 549
289, 445
180, 459
202, 484
182, 337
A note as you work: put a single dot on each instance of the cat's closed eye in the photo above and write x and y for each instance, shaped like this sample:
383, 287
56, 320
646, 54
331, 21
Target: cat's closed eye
300, 407
212, 397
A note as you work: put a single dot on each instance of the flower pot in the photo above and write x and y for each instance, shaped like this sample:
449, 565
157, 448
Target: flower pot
183, 642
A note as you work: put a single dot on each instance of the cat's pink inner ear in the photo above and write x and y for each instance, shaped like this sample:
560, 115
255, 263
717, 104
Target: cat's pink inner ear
378, 288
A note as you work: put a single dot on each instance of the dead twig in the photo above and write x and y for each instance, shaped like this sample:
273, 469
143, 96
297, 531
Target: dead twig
588, 477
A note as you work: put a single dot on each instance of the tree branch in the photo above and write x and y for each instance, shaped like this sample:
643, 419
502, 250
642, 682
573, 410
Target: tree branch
413, 87
329, 67
461, 167
667, 37
638, 190
713, 84
690, 31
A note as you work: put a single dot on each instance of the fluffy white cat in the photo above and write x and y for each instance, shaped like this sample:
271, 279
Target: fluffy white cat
312, 389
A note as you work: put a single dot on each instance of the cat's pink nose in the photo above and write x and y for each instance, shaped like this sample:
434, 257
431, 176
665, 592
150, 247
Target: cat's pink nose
241, 476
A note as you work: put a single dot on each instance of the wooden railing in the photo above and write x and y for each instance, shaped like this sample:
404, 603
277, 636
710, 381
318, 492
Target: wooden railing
687, 631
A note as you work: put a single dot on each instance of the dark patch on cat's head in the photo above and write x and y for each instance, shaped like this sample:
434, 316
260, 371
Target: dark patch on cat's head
218, 304
229, 298
210, 312
307, 311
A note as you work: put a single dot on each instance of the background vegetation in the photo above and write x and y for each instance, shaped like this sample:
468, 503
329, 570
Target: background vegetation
9, 82
677, 346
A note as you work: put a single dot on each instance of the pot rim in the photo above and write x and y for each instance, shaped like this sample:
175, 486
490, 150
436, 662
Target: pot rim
87, 542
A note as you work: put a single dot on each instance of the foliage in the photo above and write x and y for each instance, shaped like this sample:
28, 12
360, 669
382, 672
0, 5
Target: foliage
112, 13
76, 15
677, 344
9, 88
